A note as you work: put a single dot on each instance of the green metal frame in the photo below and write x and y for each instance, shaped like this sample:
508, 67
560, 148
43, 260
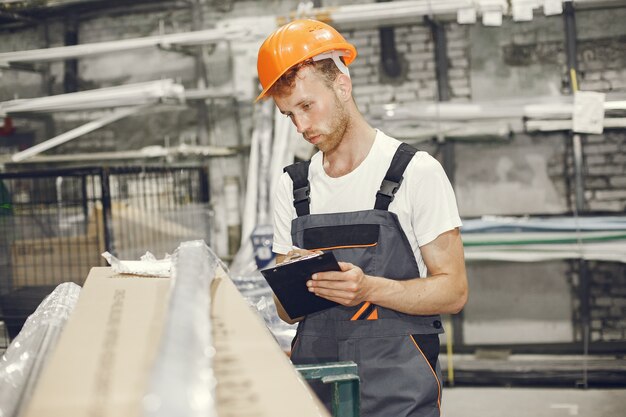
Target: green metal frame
344, 378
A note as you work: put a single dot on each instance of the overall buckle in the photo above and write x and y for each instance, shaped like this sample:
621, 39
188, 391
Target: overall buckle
389, 188
301, 194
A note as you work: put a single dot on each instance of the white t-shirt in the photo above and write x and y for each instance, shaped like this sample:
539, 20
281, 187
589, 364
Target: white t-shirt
425, 202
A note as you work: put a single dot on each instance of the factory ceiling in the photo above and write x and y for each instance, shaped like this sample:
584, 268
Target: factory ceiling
18, 13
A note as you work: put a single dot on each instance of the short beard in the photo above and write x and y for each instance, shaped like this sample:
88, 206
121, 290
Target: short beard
338, 126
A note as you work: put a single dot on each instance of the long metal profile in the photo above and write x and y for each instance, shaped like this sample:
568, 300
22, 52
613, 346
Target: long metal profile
533, 108
566, 125
74, 133
182, 381
60, 53
126, 95
402, 12
151, 152
397, 11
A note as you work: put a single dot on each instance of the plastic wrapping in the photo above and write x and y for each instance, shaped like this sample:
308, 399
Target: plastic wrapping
182, 381
148, 265
271, 149
22, 362
259, 295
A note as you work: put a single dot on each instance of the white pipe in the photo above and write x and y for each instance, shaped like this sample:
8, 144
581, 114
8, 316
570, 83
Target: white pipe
132, 94
402, 12
251, 197
615, 105
556, 125
73, 134
145, 153
265, 159
125, 95
542, 108
231, 200
76, 51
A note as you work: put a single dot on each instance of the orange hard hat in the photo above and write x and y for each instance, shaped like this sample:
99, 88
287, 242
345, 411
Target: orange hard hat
295, 42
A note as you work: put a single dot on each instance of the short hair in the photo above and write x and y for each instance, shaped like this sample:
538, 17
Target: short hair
326, 68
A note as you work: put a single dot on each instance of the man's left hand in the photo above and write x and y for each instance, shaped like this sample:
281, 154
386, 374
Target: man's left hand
348, 287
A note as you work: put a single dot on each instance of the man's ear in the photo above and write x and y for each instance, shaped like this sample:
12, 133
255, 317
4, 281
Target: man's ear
343, 87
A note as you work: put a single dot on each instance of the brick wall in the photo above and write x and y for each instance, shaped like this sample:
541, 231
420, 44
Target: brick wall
601, 65
605, 171
607, 301
458, 61
417, 81
605, 191
602, 60
24, 84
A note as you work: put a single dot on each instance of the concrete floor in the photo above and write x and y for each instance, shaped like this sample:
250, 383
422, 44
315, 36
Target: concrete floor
533, 402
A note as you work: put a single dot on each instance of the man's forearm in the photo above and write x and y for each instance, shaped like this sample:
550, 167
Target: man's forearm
444, 290
419, 296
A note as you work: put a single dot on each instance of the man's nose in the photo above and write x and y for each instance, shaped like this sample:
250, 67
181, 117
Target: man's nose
301, 123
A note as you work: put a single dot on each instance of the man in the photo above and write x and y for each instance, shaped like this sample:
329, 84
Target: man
389, 215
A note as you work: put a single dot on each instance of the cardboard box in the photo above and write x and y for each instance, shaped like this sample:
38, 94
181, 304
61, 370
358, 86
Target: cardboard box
53, 260
101, 364
255, 377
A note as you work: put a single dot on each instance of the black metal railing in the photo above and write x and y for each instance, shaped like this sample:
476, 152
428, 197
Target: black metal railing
54, 225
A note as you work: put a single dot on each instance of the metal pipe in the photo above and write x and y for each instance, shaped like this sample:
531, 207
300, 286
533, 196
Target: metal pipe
74, 51
438, 31
70, 74
443, 86
572, 64
73, 134
105, 189
441, 59
125, 95
389, 58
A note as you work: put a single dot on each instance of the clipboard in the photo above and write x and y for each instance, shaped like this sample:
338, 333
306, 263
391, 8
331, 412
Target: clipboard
288, 281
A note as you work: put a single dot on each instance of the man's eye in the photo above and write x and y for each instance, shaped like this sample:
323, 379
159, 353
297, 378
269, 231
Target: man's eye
306, 106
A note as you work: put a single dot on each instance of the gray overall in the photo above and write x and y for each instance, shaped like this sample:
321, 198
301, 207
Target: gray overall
396, 353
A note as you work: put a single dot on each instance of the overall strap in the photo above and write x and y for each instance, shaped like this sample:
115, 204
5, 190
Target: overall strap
393, 177
299, 173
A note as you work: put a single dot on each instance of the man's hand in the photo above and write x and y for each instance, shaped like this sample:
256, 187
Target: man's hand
444, 290
293, 254
349, 287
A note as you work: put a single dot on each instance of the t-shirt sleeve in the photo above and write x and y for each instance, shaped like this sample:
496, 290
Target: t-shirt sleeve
283, 214
434, 208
